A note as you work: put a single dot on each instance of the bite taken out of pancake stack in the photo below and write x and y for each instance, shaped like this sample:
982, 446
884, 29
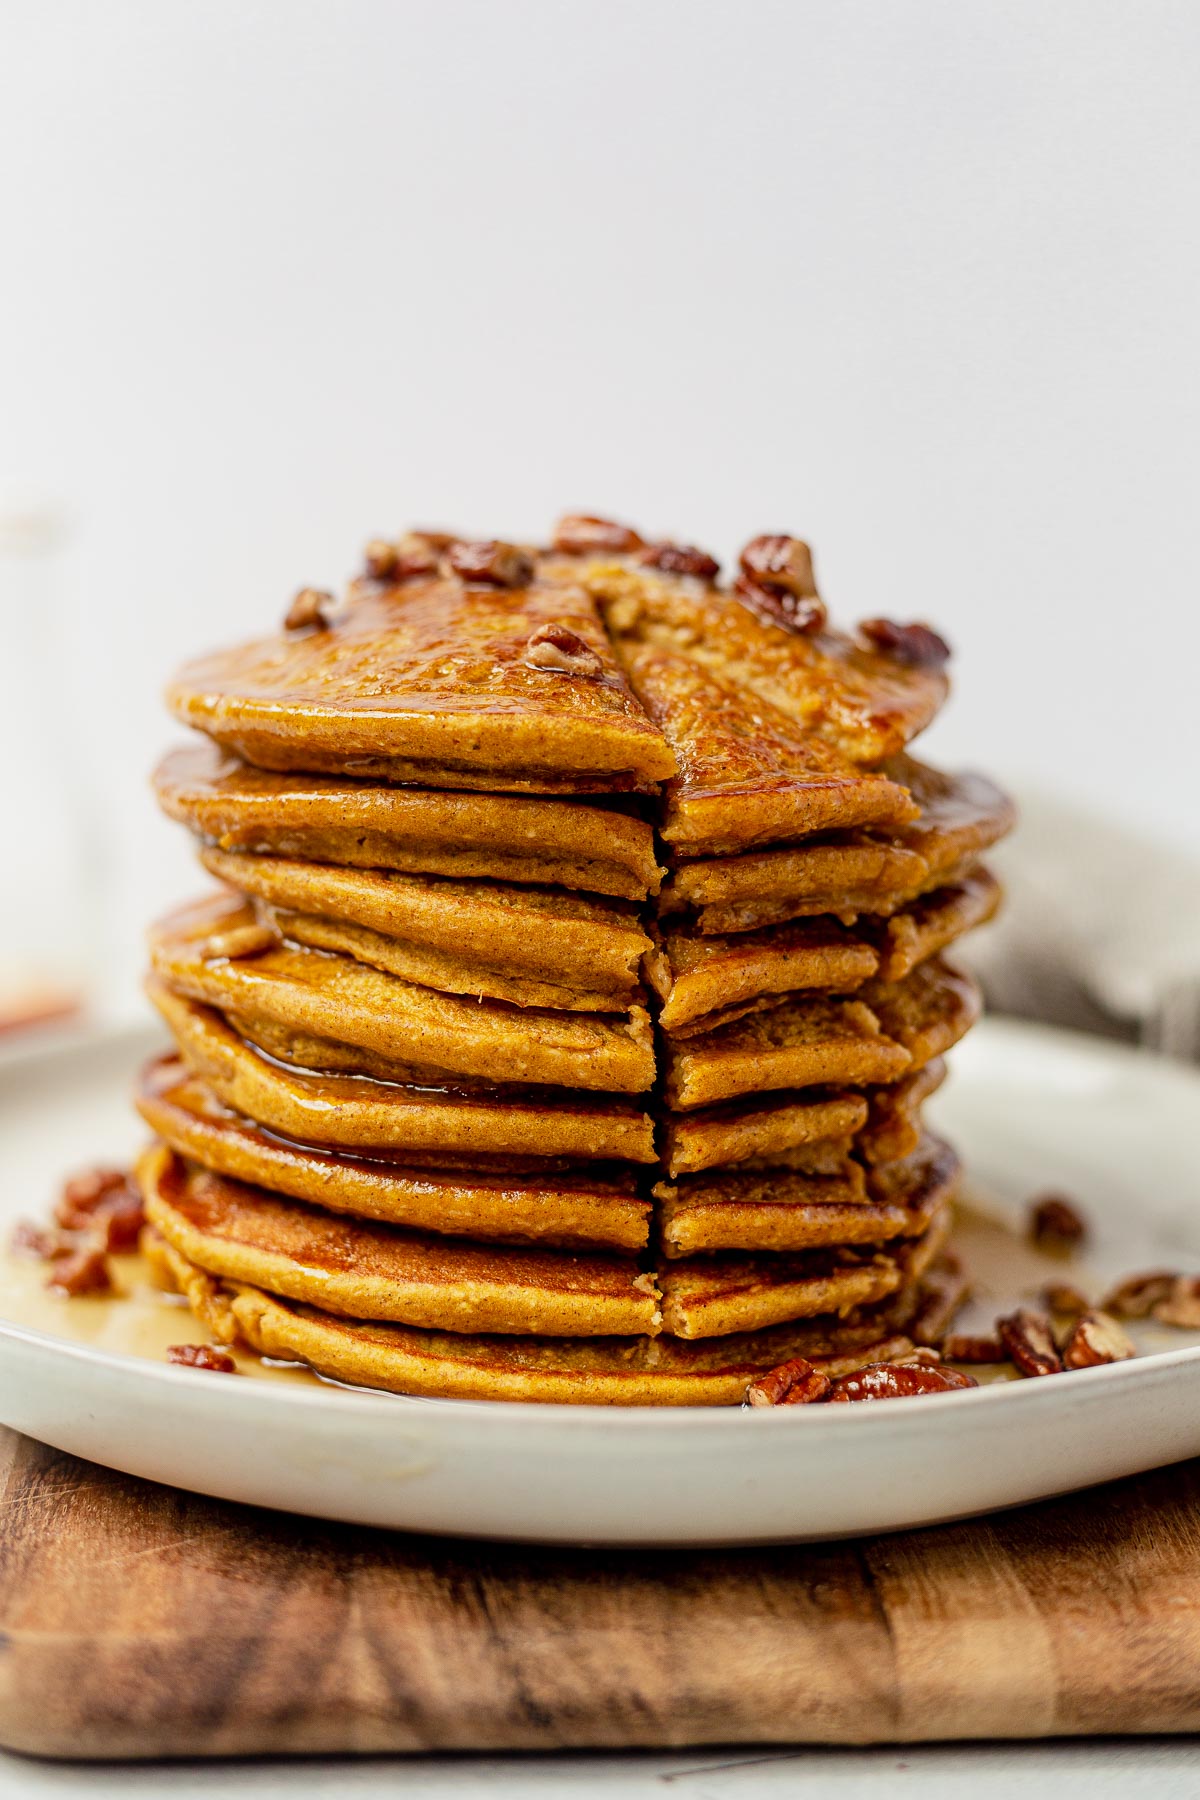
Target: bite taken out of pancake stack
559, 1022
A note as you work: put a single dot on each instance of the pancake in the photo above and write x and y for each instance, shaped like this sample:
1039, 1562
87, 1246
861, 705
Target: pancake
914, 934
927, 1012
856, 872
749, 774
658, 1371
706, 981
373, 1271
711, 1296
791, 1212
745, 1129
889, 1029
696, 976
575, 1210
431, 681
529, 946
561, 843
864, 703
353, 1113
335, 997
801, 1043
893, 1127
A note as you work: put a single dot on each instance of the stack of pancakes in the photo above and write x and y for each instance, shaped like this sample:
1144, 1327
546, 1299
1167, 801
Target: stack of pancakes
561, 1024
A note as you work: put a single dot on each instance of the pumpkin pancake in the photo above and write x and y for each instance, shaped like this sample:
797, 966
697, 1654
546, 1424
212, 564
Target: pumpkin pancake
530, 946
857, 872
777, 1127
706, 981
864, 703
333, 996
798, 1044
791, 1212
431, 681
749, 774
928, 1011
373, 1271
503, 837
710, 1296
578, 1210
468, 1126
638, 1371
890, 1028
893, 1127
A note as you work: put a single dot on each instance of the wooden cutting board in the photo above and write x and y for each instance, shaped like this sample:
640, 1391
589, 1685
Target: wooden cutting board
136, 1621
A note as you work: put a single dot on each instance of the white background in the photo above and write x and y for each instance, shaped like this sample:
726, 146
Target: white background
918, 281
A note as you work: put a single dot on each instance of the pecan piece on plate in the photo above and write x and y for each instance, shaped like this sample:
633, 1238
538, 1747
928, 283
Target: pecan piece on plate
918, 645
1029, 1340
794, 1383
680, 559
1096, 1338
492, 562
1181, 1306
1056, 1223
897, 1381
84, 1271
34, 1241
201, 1356
581, 534
1135, 1296
309, 607
558, 647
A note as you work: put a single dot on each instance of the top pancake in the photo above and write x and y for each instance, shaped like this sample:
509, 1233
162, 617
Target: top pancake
749, 773
864, 703
356, 824
430, 681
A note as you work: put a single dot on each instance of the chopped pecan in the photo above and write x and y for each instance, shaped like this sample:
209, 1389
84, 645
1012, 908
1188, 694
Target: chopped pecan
309, 607
1056, 1223
921, 1356
558, 647
1061, 1297
419, 553
801, 613
580, 534
897, 1381
962, 1346
1136, 1296
107, 1204
238, 942
794, 1383
1029, 1340
1095, 1339
680, 559
83, 1194
1182, 1305
201, 1356
84, 1271
34, 1241
918, 645
380, 560
778, 561
492, 562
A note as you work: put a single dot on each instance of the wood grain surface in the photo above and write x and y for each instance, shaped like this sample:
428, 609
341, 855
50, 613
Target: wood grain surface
136, 1621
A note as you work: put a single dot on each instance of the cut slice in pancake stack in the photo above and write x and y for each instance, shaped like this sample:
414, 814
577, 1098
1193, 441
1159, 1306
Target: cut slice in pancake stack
560, 1025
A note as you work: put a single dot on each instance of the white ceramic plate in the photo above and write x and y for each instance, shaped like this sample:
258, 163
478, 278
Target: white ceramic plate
1029, 1108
